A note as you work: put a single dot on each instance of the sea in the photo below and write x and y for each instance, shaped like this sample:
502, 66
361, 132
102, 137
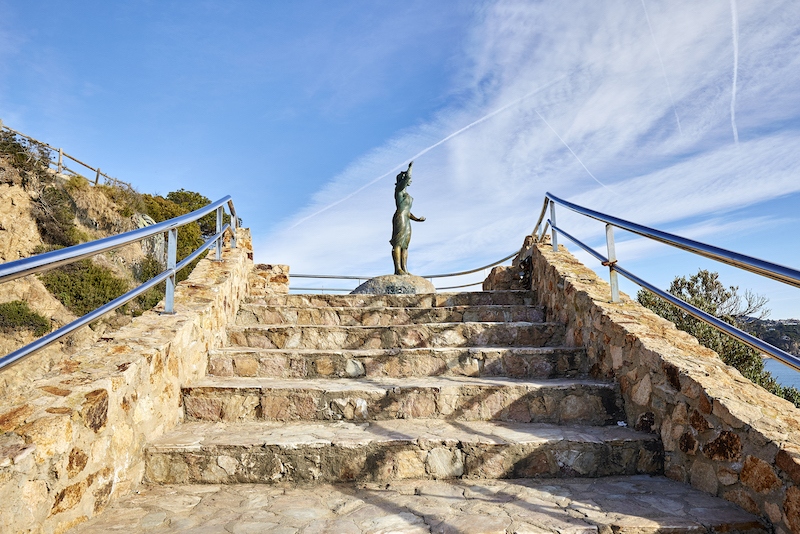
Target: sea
785, 375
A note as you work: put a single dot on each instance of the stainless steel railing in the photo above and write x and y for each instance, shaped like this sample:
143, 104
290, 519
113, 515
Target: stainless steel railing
49, 260
781, 273
365, 278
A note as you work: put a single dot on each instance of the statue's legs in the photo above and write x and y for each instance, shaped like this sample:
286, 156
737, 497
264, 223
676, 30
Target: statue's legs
398, 261
404, 260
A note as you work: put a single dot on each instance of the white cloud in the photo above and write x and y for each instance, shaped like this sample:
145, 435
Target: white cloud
481, 190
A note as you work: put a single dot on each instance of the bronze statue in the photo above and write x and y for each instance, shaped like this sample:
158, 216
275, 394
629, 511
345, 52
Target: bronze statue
401, 222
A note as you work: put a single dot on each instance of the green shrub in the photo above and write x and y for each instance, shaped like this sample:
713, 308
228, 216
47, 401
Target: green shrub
54, 212
705, 291
42, 248
76, 182
17, 315
191, 201
147, 269
189, 236
83, 286
30, 157
125, 197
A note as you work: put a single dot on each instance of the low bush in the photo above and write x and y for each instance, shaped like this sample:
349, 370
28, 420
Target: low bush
75, 183
125, 197
29, 157
83, 286
17, 315
54, 212
189, 236
147, 269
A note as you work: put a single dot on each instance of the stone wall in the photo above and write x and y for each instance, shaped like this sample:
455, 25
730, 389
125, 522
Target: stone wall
75, 441
266, 279
721, 433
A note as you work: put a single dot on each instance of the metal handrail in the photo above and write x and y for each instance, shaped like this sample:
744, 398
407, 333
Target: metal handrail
498, 262
49, 260
459, 287
359, 278
770, 270
42, 262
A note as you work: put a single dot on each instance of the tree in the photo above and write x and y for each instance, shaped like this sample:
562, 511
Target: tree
189, 235
190, 201
704, 290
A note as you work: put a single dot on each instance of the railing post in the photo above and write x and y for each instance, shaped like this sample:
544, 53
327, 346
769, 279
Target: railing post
97, 179
60, 160
612, 259
219, 239
553, 237
235, 225
172, 257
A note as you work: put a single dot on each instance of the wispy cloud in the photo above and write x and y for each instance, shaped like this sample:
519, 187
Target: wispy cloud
482, 188
661, 62
735, 37
431, 147
572, 152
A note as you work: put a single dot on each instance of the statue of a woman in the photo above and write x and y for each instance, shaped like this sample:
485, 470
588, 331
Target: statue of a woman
401, 222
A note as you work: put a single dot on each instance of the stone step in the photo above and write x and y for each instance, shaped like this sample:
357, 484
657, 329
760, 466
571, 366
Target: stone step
425, 300
254, 314
517, 362
519, 334
381, 451
620, 504
567, 401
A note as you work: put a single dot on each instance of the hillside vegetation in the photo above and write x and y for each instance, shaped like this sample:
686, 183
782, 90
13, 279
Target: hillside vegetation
705, 291
41, 211
783, 333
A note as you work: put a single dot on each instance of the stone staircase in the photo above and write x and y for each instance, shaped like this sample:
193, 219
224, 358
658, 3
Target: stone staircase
446, 413
383, 388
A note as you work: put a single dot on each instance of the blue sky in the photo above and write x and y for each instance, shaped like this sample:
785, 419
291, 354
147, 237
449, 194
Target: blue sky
682, 115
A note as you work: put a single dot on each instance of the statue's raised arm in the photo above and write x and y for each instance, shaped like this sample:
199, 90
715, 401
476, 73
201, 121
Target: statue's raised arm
401, 222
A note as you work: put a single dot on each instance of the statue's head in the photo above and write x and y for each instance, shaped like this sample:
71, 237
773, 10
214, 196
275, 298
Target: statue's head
404, 178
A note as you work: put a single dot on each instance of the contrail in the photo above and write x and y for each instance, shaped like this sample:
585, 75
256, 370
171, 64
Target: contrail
573, 153
663, 70
735, 32
425, 151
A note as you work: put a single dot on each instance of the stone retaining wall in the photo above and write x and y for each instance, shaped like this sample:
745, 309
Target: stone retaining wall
721, 433
268, 279
75, 441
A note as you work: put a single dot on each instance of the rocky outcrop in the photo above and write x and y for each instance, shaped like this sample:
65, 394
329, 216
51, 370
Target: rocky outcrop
19, 235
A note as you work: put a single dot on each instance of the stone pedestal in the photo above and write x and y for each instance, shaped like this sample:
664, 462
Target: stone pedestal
395, 284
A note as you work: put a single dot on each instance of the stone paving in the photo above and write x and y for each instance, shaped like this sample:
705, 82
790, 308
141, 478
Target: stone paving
502, 334
424, 300
270, 452
250, 314
464, 398
519, 362
637, 504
